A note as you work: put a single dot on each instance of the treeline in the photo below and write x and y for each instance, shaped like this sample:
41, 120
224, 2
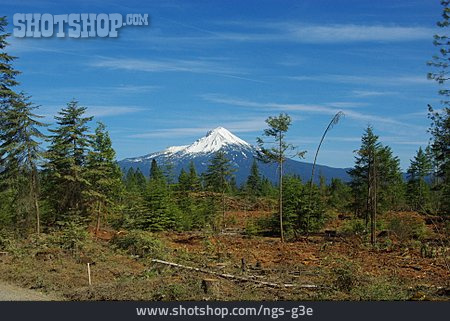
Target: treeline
76, 179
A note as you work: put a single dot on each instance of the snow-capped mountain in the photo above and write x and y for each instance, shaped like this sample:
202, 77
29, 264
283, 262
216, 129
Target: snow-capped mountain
215, 140
237, 150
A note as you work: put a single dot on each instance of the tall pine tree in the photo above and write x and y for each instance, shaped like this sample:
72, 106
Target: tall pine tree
66, 163
20, 155
254, 181
278, 127
418, 191
440, 126
19, 141
218, 176
376, 179
103, 175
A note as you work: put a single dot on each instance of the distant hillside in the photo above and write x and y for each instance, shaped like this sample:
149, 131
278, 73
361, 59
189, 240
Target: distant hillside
237, 150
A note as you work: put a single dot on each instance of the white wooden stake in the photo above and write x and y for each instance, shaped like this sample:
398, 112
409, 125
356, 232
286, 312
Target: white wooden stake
89, 273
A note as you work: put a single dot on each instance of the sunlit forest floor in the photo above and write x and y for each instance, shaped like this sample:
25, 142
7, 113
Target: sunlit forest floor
340, 265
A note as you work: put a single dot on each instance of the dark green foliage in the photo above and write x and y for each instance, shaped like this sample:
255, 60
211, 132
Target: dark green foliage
219, 173
278, 127
389, 184
153, 209
298, 216
72, 236
267, 188
135, 181
103, 175
7, 72
155, 172
193, 179
405, 226
141, 243
183, 181
20, 156
254, 182
189, 181
218, 177
19, 146
440, 120
339, 195
66, 161
418, 190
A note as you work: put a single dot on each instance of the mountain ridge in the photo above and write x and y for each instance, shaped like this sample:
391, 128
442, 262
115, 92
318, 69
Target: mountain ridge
240, 153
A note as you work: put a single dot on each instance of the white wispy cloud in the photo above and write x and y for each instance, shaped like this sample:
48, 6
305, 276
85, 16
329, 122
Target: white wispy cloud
201, 65
346, 104
48, 112
166, 65
365, 79
357, 33
270, 31
372, 93
136, 88
171, 132
252, 124
106, 111
309, 108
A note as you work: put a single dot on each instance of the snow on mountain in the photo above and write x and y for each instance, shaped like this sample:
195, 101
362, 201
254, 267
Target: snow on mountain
238, 151
214, 140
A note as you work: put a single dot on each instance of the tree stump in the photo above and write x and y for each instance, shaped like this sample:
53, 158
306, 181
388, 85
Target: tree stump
210, 286
243, 265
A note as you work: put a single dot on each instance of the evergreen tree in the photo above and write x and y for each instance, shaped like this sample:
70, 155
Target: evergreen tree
376, 179
7, 72
440, 126
130, 180
267, 188
339, 195
103, 174
19, 146
278, 126
66, 162
360, 173
20, 156
298, 217
254, 181
141, 180
133, 201
160, 210
155, 172
417, 188
7, 83
390, 185
135, 181
183, 181
218, 175
168, 172
194, 180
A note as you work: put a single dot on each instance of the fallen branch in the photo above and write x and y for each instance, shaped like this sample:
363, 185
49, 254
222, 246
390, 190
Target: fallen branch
234, 277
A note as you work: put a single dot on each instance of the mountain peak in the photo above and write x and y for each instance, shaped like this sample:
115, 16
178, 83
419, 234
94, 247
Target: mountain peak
218, 130
214, 140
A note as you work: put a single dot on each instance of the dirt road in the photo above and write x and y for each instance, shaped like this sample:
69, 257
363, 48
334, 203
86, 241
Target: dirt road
10, 292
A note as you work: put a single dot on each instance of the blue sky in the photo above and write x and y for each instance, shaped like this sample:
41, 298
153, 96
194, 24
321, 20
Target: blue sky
203, 64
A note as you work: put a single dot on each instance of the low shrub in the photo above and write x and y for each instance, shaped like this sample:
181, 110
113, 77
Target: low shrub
141, 243
380, 289
345, 275
406, 226
354, 226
